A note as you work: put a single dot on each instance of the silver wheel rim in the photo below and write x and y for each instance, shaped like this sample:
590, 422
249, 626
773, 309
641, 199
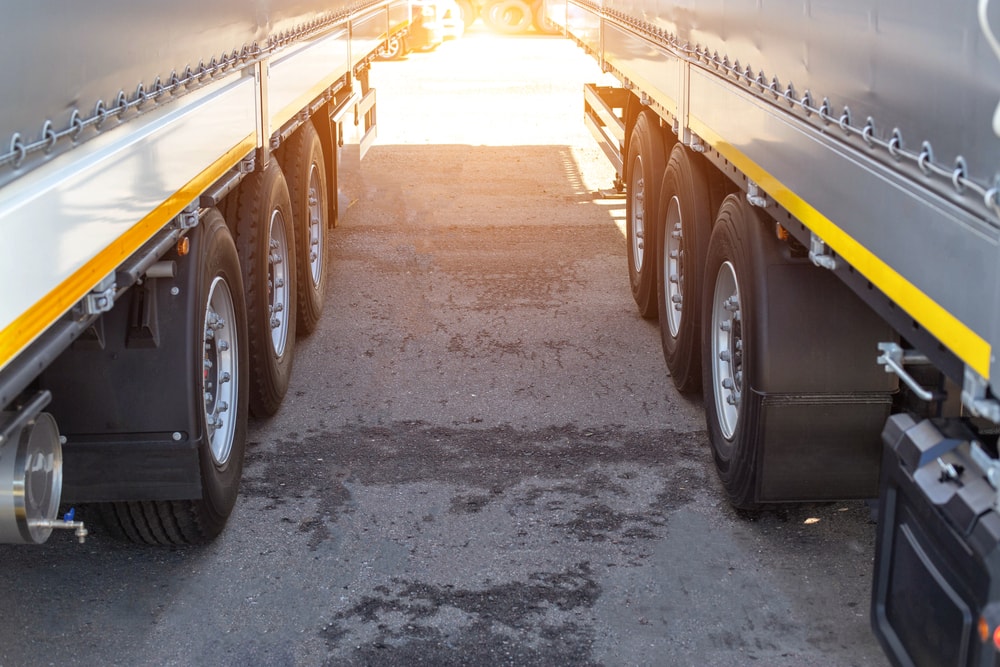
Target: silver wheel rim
673, 267
315, 227
393, 48
727, 350
638, 194
220, 379
278, 296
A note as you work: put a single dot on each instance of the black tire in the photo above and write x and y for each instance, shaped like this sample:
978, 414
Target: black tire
683, 227
541, 22
510, 17
223, 442
307, 188
731, 326
265, 240
468, 10
394, 49
644, 166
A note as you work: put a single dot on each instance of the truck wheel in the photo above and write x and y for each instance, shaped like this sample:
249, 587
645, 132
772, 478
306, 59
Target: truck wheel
393, 50
644, 162
307, 190
510, 17
265, 240
541, 21
221, 331
730, 322
684, 224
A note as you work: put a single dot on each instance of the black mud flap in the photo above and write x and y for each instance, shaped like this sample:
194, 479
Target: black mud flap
936, 590
127, 394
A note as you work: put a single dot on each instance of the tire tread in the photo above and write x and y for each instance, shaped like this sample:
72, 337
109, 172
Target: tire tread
647, 143
268, 376
737, 461
685, 177
300, 150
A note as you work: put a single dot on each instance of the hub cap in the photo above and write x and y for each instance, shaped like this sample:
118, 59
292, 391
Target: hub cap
638, 194
673, 267
278, 293
220, 376
727, 350
315, 227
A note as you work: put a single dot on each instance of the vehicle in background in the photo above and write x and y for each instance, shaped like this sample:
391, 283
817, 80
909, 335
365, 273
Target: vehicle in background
431, 23
451, 17
510, 17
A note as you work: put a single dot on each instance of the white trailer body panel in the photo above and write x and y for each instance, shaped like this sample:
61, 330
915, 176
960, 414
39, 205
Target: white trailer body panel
71, 222
297, 77
75, 209
368, 31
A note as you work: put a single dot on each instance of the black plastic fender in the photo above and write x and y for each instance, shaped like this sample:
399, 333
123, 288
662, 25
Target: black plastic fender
125, 394
813, 399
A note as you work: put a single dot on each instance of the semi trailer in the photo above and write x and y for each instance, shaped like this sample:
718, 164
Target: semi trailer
168, 179
811, 194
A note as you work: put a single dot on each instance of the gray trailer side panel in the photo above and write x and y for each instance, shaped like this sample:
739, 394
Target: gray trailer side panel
934, 250
880, 221
653, 70
922, 66
66, 56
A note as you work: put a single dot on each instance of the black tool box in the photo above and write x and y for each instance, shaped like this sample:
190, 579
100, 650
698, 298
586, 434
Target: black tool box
936, 590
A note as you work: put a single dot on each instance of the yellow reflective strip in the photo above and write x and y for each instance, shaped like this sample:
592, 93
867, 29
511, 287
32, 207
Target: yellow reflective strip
952, 332
29, 325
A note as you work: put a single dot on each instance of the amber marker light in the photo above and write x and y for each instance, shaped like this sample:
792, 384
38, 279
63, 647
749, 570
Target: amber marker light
984, 630
184, 246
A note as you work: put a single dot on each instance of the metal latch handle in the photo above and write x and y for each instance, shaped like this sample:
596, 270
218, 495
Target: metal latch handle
893, 357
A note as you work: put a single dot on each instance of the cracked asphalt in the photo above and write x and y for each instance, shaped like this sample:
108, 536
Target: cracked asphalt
481, 459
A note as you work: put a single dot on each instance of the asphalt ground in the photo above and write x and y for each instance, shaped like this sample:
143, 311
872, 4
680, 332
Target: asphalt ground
481, 459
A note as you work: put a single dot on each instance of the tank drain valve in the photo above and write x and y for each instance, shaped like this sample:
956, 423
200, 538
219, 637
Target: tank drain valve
66, 523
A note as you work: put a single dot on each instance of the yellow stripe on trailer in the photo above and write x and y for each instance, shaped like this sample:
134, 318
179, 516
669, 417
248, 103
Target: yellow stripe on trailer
32, 323
965, 343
